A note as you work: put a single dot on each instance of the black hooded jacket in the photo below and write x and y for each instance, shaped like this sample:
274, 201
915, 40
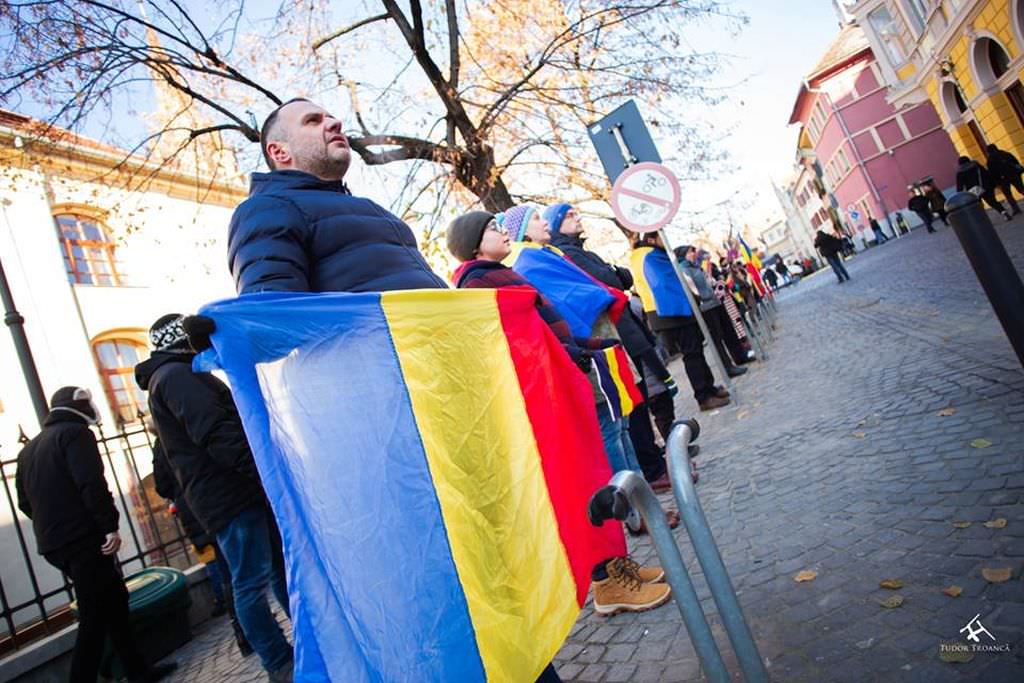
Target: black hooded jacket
201, 434
61, 486
972, 174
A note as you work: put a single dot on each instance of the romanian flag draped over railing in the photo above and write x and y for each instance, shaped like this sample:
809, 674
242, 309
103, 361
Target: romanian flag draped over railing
579, 298
429, 456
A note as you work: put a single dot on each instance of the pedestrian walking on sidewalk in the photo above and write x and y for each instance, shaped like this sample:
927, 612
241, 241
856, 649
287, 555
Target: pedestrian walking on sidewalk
972, 177
876, 228
920, 205
62, 489
1006, 173
830, 247
937, 201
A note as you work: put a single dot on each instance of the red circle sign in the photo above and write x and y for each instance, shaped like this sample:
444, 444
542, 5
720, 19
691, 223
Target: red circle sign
646, 197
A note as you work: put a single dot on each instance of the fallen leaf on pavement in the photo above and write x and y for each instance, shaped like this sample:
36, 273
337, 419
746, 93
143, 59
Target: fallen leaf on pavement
805, 575
859, 435
892, 584
946, 412
981, 443
742, 415
953, 591
997, 575
956, 653
961, 525
892, 602
862, 423
999, 523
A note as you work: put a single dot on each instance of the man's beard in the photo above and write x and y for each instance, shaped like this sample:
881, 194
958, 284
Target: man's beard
322, 165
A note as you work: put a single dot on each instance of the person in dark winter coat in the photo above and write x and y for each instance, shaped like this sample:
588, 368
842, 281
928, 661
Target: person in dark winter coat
301, 230
920, 205
937, 201
62, 489
1006, 172
202, 436
723, 334
830, 247
973, 177
876, 228
567, 236
218, 572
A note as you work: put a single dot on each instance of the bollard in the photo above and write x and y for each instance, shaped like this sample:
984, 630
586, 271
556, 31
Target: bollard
991, 263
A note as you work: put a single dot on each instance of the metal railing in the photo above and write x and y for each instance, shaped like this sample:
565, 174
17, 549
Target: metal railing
628, 491
34, 596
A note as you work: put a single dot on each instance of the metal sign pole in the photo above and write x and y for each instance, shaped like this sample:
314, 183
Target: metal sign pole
695, 306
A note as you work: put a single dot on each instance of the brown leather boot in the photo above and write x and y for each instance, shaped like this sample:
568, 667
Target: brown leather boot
625, 590
713, 402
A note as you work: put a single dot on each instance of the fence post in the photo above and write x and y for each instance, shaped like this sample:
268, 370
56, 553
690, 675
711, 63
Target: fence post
991, 263
630, 491
707, 553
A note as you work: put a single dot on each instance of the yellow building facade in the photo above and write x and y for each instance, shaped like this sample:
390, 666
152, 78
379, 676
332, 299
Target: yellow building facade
966, 56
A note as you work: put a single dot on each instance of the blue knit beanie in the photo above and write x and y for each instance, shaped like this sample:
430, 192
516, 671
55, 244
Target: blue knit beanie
515, 221
555, 214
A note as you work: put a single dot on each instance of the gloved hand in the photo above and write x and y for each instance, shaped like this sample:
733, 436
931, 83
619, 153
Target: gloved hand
199, 328
671, 385
625, 276
581, 357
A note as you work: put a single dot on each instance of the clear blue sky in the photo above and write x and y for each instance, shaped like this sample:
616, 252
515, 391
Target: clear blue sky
780, 45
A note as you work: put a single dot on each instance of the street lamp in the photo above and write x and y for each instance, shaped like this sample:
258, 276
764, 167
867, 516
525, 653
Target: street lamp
16, 322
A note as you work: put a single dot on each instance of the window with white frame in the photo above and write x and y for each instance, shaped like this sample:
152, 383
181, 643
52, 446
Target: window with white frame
917, 11
888, 31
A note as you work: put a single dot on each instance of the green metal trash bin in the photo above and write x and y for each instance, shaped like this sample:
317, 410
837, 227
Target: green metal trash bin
158, 603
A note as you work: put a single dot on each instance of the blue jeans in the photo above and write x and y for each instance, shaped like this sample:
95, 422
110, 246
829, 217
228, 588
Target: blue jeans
838, 268
617, 443
246, 545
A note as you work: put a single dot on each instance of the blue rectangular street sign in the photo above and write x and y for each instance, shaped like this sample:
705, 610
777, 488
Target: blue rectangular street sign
621, 139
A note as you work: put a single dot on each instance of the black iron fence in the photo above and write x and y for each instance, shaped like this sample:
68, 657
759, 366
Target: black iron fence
35, 597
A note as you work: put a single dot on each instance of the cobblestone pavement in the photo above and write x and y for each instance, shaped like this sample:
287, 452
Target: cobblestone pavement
836, 460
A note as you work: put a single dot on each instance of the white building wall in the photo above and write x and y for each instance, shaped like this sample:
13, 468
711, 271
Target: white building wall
172, 252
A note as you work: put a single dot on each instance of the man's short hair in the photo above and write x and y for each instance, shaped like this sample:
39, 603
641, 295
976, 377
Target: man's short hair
268, 127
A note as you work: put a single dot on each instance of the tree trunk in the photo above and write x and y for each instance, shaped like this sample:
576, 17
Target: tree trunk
476, 170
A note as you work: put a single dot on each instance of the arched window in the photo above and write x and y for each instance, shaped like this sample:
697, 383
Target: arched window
952, 101
117, 354
89, 254
990, 60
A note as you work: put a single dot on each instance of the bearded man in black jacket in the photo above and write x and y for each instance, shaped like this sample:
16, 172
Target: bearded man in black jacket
61, 488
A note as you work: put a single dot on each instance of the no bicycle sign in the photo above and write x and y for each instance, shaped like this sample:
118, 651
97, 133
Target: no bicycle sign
645, 197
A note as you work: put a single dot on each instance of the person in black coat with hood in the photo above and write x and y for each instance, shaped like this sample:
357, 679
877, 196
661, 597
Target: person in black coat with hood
201, 434
62, 489
973, 177
1006, 172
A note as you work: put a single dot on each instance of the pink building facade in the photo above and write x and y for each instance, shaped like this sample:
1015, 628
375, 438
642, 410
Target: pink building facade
868, 152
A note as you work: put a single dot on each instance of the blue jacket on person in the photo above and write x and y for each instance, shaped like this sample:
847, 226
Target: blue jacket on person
298, 233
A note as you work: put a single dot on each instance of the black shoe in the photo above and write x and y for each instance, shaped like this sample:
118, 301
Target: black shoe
155, 673
734, 371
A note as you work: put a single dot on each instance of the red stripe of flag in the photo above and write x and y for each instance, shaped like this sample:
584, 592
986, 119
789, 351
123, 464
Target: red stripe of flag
560, 406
